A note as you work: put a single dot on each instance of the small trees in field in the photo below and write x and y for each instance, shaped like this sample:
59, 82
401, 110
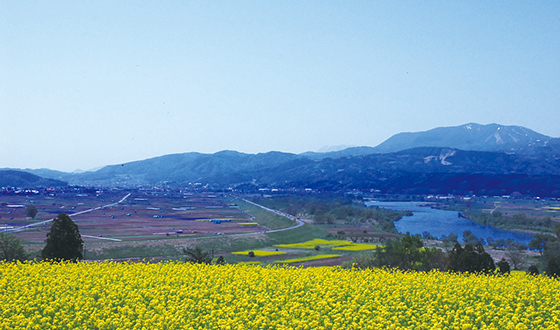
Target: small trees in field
470, 259
551, 259
11, 248
197, 256
504, 266
409, 254
31, 211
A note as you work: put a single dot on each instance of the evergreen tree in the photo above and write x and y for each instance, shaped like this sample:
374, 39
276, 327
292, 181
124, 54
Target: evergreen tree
64, 241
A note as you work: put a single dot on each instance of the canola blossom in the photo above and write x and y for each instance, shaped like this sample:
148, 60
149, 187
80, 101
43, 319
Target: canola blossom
356, 247
313, 243
310, 258
260, 253
174, 295
249, 263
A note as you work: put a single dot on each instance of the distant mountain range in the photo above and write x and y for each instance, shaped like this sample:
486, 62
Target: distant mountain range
473, 137
468, 159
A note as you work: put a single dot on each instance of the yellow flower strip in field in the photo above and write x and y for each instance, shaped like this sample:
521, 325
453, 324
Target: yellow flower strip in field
310, 258
356, 247
193, 296
311, 244
249, 263
260, 253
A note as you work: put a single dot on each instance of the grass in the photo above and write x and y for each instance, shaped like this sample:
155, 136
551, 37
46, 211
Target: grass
133, 251
310, 258
304, 233
264, 217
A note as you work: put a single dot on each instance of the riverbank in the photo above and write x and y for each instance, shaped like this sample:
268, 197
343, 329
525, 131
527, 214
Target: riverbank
438, 222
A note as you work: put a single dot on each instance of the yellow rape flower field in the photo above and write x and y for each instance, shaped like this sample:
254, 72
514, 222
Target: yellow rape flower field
356, 247
311, 244
260, 253
174, 295
310, 258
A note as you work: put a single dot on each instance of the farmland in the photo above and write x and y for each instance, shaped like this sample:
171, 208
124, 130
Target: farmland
137, 218
173, 295
151, 225
262, 285
156, 225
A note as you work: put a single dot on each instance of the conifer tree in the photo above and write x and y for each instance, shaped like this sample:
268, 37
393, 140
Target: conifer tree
64, 241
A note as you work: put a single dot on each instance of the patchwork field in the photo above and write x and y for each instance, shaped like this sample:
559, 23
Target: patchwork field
137, 218
143, 225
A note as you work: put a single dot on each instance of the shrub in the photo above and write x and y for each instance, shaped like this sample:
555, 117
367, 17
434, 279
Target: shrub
533, 270
197, 256
504, 266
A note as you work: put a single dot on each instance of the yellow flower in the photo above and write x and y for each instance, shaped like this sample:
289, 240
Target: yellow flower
172, 295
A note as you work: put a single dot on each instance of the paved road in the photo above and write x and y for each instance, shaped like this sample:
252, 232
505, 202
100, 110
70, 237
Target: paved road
22, 228
105, 238
289, 216
299, 223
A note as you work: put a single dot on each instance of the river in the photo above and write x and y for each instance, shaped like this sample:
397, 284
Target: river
442, 222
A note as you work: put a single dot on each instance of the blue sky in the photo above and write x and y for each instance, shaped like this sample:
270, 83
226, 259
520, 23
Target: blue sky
90, 83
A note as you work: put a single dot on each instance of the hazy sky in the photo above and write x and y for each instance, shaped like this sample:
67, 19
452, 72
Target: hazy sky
91, 83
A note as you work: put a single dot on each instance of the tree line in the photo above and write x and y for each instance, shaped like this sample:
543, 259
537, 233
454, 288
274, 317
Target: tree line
410, 253
518, 220
331, 209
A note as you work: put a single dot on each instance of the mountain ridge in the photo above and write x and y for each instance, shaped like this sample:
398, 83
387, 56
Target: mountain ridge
472, 136
512, 153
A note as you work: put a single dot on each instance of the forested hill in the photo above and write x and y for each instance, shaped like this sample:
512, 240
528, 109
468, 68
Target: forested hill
20, 179
418, 171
